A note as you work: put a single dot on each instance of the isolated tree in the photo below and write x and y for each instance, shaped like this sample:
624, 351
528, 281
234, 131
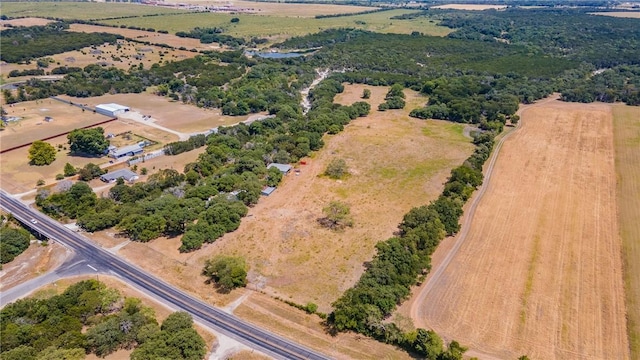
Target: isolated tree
515, 119
88, 141
69, 170
336, 216
90, 171
41, 153
366, 93
228, 272
337, 169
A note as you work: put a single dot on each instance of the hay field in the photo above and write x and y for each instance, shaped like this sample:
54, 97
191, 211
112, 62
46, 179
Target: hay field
283, 27
477, 7
626, 127
540, 271
151, 37
622, 14
174, 115
81, 10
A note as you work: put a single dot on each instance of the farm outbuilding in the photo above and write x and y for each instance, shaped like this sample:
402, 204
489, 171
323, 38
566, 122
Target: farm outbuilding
267, 190
130, 150
284, 168
111, 109
125, 174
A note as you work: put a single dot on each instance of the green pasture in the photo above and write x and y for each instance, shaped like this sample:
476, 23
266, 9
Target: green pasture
80, 10
284, 27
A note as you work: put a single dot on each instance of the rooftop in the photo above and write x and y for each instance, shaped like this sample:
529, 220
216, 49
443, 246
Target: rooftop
122, 173
284, 168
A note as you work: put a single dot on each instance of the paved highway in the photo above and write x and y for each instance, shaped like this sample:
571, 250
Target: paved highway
208, 315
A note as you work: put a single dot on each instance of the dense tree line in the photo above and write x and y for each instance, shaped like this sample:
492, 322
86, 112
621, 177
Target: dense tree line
27, 72
87, 318
621, 83
489, 101
26, 43
14, 242
603, 41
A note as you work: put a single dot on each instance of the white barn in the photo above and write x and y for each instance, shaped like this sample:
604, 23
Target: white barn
111, 109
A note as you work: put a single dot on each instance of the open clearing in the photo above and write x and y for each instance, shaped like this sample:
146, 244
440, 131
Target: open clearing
124, 55
540, 272
151, 37
396, 163
34, 261
281, 8
622, 14
18, 176
479, 7
280, 28
174, 115
24, 22
32, 126
626, 127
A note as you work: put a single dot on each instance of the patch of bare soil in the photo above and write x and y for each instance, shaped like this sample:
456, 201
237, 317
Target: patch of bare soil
540, 272
34, 261
281, 318
25, 22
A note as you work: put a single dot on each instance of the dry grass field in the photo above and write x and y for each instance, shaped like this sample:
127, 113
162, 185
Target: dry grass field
478, 7
121, 56
24, 22
32, 126
174, 115
622, 14
395, 162
151, 37
626, 128
540, 272
18, 176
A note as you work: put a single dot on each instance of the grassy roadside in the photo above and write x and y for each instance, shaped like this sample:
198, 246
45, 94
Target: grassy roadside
626, 127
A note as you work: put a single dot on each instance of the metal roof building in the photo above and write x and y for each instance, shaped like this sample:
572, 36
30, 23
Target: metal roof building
126, 151
111, 109
284, 168
126, 174
267, 191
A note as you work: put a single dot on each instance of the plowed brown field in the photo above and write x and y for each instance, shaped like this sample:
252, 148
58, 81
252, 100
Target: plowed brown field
540, 272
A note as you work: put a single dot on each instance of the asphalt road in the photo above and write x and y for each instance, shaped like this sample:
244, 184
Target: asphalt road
102, 261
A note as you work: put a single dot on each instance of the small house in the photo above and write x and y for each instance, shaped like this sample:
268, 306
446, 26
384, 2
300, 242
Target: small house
125, 174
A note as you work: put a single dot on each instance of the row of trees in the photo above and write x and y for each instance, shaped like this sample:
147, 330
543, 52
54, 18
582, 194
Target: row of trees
88, 318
